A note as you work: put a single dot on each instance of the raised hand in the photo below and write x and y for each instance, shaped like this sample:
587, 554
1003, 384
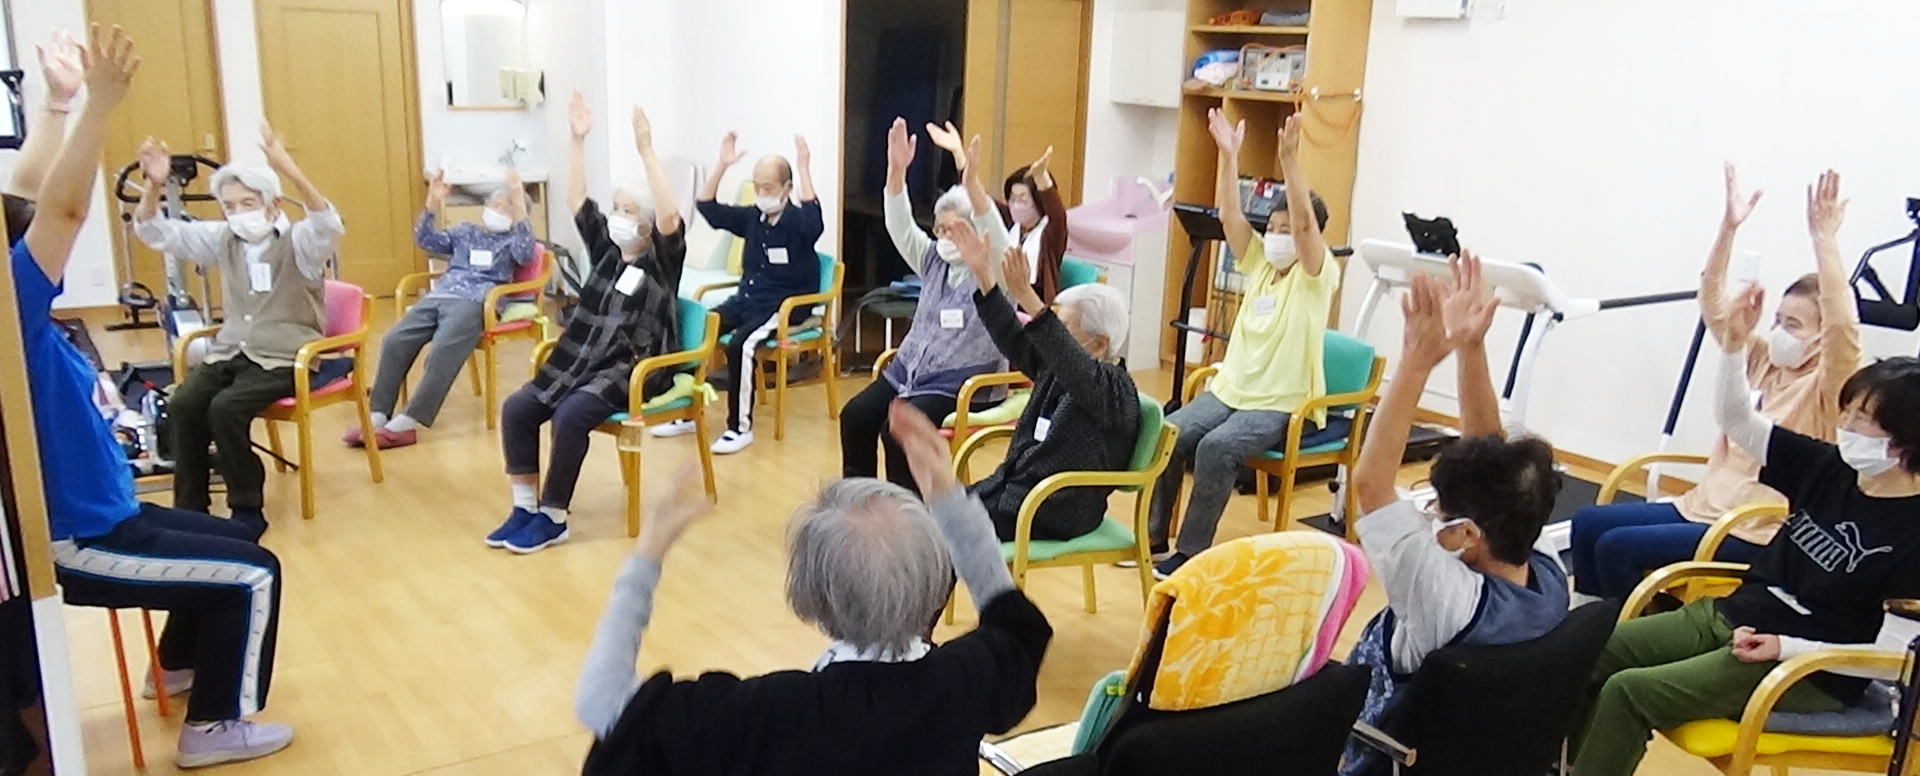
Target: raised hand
156, 163
730, 153
1290, 137
276, 150
1825, 208
437, 189
1743, 316
579, 115
1038, 169
1425, 339
1468, 308
642, 131
672, 512
1739, 206
928, 454
110, 65
802, 155
973, 247
973, 152
901, 146
1227, 137
63, 65
1019, 273
947, 138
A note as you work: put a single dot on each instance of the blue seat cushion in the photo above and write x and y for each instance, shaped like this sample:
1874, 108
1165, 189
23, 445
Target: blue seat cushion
1111, 535
1331, 439
331, 369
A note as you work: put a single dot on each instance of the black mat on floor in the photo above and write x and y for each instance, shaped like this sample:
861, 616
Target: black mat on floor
1575, 494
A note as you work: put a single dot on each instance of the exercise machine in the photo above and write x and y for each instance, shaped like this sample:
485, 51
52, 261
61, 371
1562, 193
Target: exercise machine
178, 312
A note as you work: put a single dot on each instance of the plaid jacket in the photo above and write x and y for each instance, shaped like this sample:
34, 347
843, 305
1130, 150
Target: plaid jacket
609, 332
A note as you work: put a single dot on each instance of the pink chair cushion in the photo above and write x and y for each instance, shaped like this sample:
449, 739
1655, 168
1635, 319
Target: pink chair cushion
346, 304
532, 269
330, 388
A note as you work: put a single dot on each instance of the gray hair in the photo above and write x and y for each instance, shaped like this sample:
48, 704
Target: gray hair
642, 196
955, 201
261, 180
866, 564
1103, 311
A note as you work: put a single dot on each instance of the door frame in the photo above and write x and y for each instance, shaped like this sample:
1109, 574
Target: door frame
995, 133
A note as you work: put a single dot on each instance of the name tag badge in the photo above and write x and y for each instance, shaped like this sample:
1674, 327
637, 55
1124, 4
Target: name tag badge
1042, 429
952, 318
260, 276
480, 258
776, 255
1263, 305
629, 281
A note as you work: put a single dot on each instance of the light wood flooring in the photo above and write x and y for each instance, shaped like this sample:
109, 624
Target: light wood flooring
408, 647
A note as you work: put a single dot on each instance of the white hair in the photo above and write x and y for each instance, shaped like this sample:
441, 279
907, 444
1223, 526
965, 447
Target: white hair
955, 201
867, 565
259, 179
1103, 312
642, 196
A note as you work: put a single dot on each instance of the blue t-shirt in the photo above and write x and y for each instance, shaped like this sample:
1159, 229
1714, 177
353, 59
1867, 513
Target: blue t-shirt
88, 484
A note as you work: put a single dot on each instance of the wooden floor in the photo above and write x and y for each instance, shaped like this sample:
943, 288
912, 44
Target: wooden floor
408, 647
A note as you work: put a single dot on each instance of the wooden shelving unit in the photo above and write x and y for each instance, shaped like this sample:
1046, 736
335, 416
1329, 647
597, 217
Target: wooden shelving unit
1336, 41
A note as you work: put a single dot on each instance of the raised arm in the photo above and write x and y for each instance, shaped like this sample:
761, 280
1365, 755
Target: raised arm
580, 122
1839, 312
197, 241
1733, 407
803, 159
426, 234
1053, 238
317, 237
62, 68
730, 155
1714, 306
283, 163
962, 518
666, 213
897, 210
607, 677
1425, 346
948, 139
67, 193
1233, 219
996, 314
1468, 311
1307, 240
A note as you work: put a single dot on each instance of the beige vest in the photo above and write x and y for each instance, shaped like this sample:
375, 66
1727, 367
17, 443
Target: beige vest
267, 326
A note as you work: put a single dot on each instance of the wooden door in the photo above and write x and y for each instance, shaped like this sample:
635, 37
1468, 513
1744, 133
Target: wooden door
338, 77
176, 99
1026, 85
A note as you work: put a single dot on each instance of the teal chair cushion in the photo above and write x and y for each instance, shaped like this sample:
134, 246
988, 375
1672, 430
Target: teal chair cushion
1111, 535
677, 404
1151, 416
1347, 361
1076, 272
693, 324
808, 334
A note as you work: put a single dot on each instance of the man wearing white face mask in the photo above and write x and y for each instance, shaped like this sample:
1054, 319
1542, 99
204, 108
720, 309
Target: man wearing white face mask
480, 256
1797, 370
1850, 543
273, 290
1273, 359
777, 261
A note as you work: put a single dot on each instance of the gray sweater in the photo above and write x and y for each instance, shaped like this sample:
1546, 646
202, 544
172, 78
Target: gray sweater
948, 342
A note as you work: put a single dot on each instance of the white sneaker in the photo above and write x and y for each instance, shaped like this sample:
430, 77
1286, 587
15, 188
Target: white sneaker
674, 429
230, 741
732, 442
1156, 557
177, 682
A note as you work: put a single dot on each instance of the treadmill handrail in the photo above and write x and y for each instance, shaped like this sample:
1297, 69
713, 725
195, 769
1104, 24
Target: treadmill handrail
1521, 287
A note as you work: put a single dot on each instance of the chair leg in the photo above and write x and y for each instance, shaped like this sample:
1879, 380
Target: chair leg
1086, 588
706, 453
473, 365
1352, 514
630, 471
153, 664
830, 369
780, 397
486, 389
303, 428
126, 690
374, 468
1283, 517
1260, 494
273, 443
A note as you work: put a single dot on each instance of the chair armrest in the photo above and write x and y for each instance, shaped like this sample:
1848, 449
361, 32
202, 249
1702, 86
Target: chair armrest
541, 350
972, 445
999, 759
1196, 380
180, 350
886, 357
1138, 479
307, 358
1734, 518
490, 311
1619, 475
963, 402
1783, 676
637, 379
700, 292
1378, 740
409, 287
795, 302
1673, 575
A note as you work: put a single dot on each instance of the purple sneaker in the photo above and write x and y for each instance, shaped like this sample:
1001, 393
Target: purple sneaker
230, 741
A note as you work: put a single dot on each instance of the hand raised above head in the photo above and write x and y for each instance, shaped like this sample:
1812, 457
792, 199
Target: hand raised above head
579, 115
1739, 206
901, 145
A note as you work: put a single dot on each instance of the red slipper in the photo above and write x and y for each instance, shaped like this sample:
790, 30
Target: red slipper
390, 439
353, 437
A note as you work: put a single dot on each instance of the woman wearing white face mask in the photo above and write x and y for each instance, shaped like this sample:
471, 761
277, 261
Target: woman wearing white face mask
1797, 367
628, 311
479, 257
948, 342
1852, 542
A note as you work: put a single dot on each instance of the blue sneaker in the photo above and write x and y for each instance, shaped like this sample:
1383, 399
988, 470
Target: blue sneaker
1165, 568
537, 535
515, 521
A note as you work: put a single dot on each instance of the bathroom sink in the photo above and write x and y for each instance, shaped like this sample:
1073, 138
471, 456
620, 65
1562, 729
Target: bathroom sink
1105, 230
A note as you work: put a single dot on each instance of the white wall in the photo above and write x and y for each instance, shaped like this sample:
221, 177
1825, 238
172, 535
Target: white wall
1587, 136
91, 278
478, 137
1128, 140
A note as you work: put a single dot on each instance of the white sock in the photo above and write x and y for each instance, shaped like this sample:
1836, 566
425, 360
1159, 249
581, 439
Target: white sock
379, 418
556, 514
401, 423
524, 497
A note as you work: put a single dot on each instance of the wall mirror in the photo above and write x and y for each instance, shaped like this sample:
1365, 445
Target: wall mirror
480, 38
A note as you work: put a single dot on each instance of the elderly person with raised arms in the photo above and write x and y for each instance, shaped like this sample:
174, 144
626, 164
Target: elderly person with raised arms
948, 342
1085, 410
871, 566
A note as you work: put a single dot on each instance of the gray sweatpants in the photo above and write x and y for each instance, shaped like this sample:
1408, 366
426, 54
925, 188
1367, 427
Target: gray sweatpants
1214, 439
454, 327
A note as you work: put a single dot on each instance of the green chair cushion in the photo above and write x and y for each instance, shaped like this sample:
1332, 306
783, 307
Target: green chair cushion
1151, 416
677, 404
1005, 412
1348, 362
1330, 447
1111, 535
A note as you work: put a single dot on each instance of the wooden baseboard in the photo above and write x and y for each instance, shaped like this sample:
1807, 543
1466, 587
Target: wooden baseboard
1591, 468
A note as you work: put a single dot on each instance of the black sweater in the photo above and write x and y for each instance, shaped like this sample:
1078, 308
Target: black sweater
922, 717
1089, 408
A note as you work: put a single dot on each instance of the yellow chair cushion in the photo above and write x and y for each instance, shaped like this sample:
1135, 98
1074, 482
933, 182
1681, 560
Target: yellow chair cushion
1005, 412
519, 311
1710, 738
